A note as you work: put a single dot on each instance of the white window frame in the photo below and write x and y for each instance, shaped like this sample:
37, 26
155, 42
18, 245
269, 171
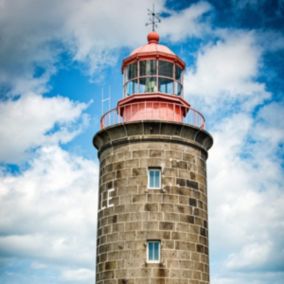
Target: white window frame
147, 252
160, 179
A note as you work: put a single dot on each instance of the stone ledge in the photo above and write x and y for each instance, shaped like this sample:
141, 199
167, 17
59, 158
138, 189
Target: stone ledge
154, 131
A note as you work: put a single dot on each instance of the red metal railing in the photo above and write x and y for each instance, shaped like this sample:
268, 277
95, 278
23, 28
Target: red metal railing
153, 111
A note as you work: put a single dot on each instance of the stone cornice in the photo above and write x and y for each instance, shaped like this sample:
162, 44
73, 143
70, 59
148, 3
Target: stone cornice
155, 131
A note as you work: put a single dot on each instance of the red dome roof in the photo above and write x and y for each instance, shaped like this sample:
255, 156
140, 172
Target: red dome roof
152, 46
153, 49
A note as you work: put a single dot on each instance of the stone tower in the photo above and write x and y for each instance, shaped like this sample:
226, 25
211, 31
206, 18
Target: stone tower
152, 218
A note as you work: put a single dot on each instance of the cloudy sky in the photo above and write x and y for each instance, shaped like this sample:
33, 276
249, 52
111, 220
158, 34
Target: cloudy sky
58, 57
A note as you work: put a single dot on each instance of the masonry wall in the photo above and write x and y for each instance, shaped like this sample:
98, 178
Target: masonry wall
130, 214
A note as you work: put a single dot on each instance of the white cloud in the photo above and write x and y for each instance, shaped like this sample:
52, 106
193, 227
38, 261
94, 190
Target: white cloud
246, 192
48, 213
32, 120
186, 23
275, 277
253, 253
78, 275
245, 177
225, 73
28, 31
34, 33
38, 265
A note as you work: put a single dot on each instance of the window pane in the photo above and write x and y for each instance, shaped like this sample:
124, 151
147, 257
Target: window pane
178, 73
132, 70
166, 86
125, 72
178, 89
153, 251
152, 183
148, 67
154, 178
166, 69
156, 250
148, 85
132, 87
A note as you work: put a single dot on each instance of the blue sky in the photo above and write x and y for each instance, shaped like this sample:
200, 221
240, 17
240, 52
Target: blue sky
56, 59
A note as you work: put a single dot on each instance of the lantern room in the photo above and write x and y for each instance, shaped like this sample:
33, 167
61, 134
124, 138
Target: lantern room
153, 68
153, 84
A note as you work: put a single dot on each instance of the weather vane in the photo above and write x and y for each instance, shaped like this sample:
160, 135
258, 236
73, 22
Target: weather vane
154, 18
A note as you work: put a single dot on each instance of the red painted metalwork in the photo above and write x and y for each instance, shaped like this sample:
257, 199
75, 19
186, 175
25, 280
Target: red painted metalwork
156, 106
153, 37
152, 50
154, 96
163, 111
159, 98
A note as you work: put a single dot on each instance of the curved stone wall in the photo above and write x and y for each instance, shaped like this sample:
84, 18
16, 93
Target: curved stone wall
130, 214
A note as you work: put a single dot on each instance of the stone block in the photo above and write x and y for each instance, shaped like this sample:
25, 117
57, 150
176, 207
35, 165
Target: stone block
110, 265
192, 202
172, 217
154, 196
137, 154
139, 198
170, 198
150, 225
139, 172
132, 226
187, 246
166, 226
153, 207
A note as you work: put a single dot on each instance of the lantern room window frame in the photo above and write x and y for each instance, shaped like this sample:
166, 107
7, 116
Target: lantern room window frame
132, 82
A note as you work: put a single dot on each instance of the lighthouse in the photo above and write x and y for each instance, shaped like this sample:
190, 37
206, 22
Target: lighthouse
152, 148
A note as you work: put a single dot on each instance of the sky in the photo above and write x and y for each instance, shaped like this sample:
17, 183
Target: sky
57, 58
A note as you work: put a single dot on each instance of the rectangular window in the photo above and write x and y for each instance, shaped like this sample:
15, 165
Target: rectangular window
166, 86
166, 69
132, 71
154, 178
153, 251
132, 87
148, 67
178, 73
178, 89
148, 85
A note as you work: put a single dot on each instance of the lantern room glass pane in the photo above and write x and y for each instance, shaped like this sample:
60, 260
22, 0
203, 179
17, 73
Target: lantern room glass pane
132, 87
125, 71
132, 70
165, 69
166, 86
178, 89
148, 67
178, 72
148, 85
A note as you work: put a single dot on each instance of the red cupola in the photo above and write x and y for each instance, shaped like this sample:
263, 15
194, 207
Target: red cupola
153, 84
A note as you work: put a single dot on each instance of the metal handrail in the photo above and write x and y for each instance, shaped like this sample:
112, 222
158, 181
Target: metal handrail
112, 117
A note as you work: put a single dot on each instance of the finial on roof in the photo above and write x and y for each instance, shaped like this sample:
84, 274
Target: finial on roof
154, 18
153, 37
